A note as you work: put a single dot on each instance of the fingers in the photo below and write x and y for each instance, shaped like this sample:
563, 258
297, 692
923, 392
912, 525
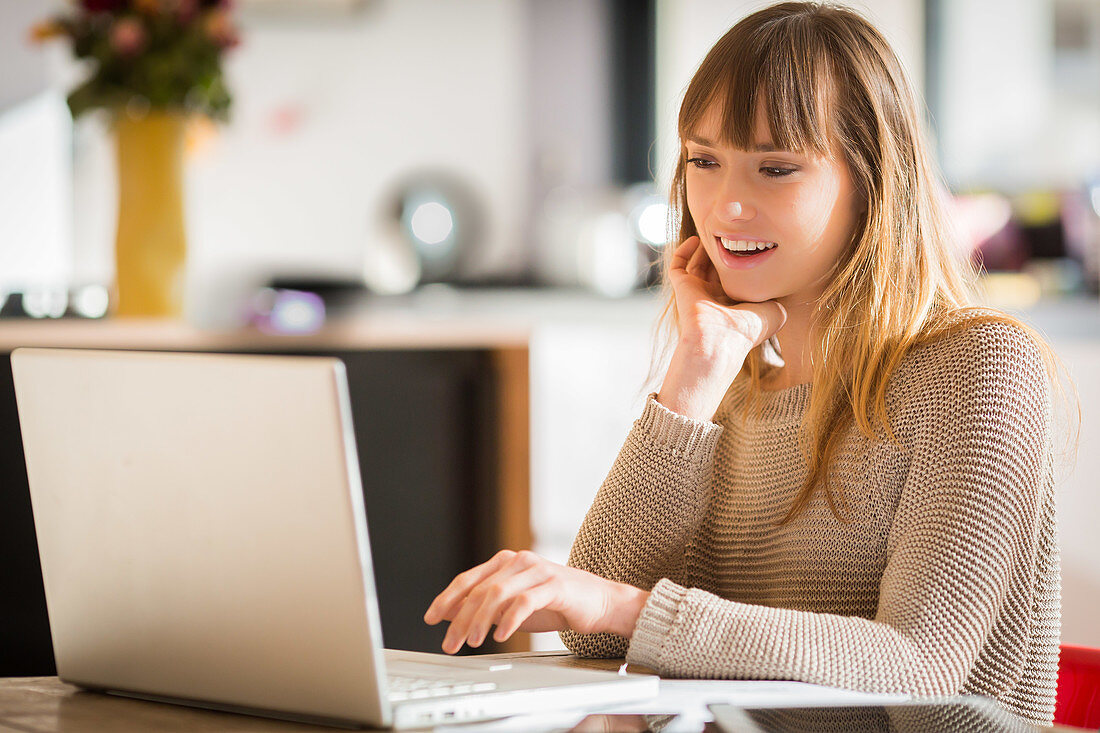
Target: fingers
684, 252
771, 316
777, 317
712, 274
446, 603
499, 594
523, 592
782, 315
473, 601
690, 258
699, 262
522, 606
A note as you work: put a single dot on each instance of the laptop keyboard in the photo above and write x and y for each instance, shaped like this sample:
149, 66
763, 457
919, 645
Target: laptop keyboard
414, 688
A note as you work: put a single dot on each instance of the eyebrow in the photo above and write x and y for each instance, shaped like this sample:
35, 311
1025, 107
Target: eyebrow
766, 147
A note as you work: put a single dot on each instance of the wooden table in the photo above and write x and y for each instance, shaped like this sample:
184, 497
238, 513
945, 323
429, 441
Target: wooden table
47, 705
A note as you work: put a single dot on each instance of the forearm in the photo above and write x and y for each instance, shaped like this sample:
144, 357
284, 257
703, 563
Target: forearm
650, 504
645, 513
690, 633
699, 374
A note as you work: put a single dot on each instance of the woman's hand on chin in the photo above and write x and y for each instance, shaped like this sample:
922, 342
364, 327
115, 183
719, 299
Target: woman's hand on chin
707, 315
521, 591
716, 334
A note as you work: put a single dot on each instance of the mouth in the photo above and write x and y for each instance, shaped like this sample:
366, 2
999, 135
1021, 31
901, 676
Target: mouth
739, 254
745, 248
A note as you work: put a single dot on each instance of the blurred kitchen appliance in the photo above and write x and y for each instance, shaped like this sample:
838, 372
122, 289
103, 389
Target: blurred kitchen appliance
606, 240
432, 224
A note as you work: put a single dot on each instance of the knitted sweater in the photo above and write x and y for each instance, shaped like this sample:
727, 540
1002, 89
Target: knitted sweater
945, 581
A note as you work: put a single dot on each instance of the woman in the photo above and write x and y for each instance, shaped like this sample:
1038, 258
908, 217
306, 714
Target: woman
846, 476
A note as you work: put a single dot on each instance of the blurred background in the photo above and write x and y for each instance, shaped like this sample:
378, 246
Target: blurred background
504, 162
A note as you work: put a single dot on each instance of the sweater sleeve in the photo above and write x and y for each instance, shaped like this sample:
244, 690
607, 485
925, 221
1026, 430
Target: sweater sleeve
646, 510
965, 530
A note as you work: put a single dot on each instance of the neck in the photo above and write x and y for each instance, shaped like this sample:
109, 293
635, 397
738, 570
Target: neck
794, 345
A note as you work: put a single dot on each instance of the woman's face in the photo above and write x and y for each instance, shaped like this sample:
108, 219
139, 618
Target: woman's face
798, 211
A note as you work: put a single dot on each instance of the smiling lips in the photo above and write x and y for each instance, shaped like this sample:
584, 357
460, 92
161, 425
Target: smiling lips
745, 247
741, 254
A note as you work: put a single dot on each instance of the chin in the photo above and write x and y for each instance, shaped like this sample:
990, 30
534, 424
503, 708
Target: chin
750, 292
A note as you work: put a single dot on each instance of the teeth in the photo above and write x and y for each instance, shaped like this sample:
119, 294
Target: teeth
736, 245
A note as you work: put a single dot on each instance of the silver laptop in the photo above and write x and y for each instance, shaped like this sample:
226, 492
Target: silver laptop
203, 540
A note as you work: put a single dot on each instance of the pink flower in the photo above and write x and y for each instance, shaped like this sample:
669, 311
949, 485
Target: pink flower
128, 37
220, 29
186, 10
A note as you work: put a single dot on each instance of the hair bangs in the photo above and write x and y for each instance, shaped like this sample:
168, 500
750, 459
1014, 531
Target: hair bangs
782, 70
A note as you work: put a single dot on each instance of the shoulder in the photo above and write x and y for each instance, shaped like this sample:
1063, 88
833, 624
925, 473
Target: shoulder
983, 364
975, 348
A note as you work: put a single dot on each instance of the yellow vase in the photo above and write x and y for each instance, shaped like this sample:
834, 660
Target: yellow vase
151, 247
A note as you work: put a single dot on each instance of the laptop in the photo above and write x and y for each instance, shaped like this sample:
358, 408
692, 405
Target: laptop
203, 539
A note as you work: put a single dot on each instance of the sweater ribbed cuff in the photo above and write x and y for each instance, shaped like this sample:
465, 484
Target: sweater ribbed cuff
655, 623
695, 439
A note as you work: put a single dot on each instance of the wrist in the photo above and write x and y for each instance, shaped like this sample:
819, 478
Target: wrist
711, 351
698, 377
627, 608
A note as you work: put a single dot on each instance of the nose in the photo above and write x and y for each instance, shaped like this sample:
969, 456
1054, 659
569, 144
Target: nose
733, 211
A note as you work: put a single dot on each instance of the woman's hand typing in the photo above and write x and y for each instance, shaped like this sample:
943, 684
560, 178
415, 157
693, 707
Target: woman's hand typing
716, 334
521, 591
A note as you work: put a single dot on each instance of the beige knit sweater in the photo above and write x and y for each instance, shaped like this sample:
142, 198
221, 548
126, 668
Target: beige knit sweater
946, 581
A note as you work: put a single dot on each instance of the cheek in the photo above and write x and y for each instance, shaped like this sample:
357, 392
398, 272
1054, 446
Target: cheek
698, 201
816, 214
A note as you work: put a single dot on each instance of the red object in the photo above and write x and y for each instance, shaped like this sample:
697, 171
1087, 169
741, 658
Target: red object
1078, 701
102, 6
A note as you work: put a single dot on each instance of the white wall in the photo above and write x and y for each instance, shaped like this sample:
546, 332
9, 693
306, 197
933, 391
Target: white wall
1009, 120
979, 117
35, 194
35, 170
26, 71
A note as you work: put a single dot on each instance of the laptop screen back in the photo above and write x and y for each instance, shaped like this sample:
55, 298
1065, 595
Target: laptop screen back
201, 528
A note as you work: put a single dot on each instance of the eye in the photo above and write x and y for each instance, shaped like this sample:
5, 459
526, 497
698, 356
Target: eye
772, 172
701, 163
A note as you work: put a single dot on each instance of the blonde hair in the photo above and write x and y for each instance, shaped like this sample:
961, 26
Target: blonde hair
823, 73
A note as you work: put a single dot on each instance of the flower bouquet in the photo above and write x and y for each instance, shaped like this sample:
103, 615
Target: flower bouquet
148, 54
